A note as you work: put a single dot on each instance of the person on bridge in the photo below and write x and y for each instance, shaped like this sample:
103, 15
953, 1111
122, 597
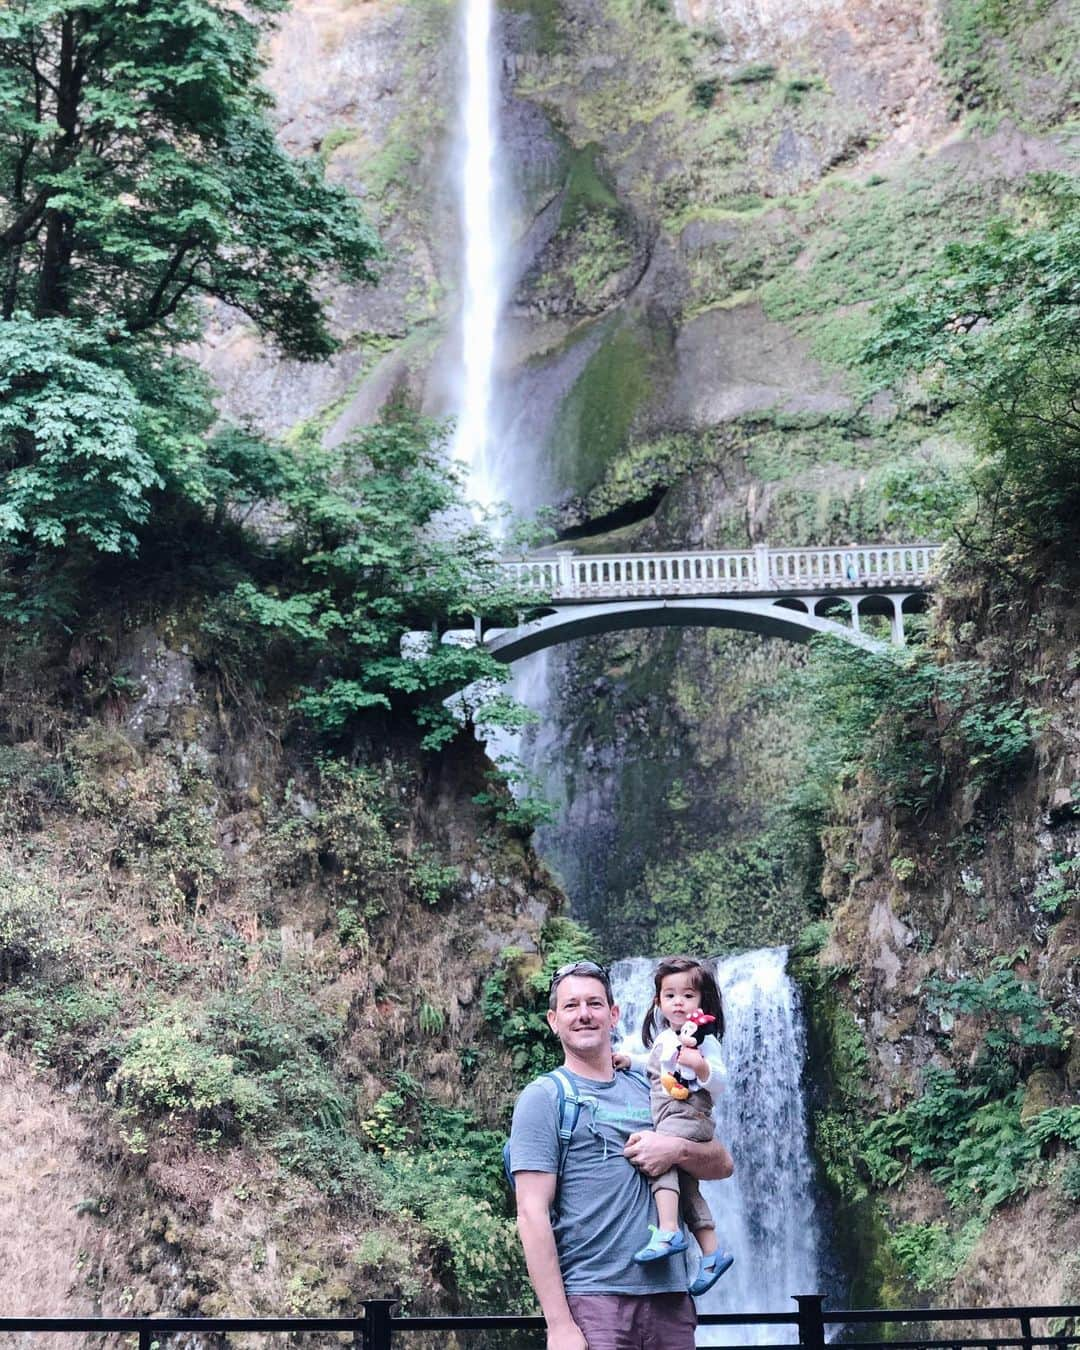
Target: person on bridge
682, 1030
582, 1205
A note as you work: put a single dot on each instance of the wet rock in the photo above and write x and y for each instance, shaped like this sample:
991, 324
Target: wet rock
167, 702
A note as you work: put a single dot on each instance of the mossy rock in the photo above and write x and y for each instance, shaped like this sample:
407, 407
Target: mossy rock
596, 418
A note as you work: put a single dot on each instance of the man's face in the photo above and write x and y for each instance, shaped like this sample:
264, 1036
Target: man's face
582, 1017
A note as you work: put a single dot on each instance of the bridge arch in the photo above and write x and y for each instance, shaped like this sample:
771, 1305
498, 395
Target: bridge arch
768, 618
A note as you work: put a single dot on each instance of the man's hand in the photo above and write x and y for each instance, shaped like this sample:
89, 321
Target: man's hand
653, 1153
566, 1337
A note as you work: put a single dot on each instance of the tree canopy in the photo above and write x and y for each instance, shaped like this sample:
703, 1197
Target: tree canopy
994, 332
139, 173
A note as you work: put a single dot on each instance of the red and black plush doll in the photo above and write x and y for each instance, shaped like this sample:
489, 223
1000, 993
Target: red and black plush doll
692, 1033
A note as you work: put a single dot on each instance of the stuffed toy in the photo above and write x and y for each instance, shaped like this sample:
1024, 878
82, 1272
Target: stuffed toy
692, 1033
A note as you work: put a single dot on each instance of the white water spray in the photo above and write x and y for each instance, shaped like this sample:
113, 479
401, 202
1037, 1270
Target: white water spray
765, 1213
483, 254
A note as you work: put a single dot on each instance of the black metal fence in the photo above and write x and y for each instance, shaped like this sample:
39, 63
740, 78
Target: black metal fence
809, 1326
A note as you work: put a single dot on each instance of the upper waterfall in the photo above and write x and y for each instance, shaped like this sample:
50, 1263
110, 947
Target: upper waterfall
483, 252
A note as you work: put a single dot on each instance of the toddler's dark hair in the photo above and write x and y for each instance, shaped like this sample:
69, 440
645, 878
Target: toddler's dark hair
704, 982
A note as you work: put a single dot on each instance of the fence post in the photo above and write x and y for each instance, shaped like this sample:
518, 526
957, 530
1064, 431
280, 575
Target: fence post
564, 571
762, 570
378, 1329
811, 1322
146, 1338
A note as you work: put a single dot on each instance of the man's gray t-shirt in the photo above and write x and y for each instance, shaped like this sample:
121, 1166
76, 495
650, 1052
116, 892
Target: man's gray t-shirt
603, 1203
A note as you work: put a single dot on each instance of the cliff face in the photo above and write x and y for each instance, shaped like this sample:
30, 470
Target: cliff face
707, 200
951, 967
240, 993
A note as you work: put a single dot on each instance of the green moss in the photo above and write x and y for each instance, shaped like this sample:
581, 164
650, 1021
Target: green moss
545, 32
587, 187
838, 1063
862, 245
756, 74
1011, 56
646, 466
389, 168
335, 139
595, 420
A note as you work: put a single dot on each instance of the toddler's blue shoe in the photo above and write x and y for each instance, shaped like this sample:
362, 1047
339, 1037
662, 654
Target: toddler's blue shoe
662, 1244
710, 1270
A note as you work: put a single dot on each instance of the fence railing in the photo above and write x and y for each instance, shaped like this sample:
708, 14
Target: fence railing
380, 1329
761, 570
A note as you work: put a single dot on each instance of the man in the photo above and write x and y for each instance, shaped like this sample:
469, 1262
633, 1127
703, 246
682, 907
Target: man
580, 1227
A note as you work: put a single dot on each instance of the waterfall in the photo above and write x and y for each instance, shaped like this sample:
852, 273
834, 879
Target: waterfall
483, 253
765, 1214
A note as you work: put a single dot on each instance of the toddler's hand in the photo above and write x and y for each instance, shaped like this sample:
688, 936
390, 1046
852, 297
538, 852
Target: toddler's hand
620, 1061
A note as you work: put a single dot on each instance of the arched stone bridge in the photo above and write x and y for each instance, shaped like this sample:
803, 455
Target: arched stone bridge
792, 593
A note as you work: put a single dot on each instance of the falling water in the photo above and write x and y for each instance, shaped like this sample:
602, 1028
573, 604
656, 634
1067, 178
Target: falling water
765, 1213
482, 254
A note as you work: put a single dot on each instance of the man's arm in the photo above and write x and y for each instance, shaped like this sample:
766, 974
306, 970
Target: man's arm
655, 1153
535, 1196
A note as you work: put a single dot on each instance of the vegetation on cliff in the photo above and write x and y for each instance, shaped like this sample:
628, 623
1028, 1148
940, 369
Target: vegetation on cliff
241, 895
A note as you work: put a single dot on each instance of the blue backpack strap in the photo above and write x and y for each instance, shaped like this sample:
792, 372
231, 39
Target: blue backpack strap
568, 1108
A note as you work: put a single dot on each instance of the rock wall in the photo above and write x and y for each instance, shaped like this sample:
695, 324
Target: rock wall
709, 199
235, 982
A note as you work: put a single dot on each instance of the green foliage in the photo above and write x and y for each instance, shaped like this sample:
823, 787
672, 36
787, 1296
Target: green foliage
64, 1026
69, 424
138, 173
910, 722
1010, 1011
512, 795
704, 92
30, 932
741, 893
367, 557
755, 74
1010, 56
995, 330
386, 1127
974, 1143
922, 500
1057, 1123
334, 1161
515, 997
837, 1140
1060, 886
1070, 1179
164, 1067
932, 1253
432, 880
138, 169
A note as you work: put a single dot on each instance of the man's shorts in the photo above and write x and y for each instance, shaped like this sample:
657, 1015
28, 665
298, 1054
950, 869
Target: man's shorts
635, 1321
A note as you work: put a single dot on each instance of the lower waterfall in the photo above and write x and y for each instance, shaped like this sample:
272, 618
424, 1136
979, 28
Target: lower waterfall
765, 1213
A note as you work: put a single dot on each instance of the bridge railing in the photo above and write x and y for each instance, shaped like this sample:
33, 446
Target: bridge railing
380, 1329
762, 570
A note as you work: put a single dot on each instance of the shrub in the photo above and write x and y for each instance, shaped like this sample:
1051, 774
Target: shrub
165, 1068
30, 931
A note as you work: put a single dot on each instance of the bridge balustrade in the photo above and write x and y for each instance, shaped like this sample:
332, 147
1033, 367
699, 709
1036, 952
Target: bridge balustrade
761, 571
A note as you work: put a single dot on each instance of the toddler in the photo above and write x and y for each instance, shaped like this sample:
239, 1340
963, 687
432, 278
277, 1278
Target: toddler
682, 1031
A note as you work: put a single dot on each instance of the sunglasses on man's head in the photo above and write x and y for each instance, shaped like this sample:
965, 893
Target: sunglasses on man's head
581, 968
